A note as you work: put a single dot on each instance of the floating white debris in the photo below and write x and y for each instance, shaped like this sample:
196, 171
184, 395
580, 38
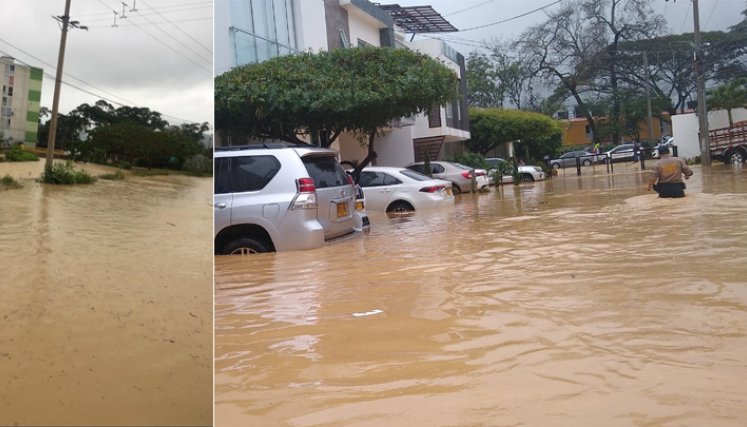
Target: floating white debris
368, 313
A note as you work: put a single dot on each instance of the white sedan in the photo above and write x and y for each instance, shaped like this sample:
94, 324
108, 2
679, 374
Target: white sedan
391, 189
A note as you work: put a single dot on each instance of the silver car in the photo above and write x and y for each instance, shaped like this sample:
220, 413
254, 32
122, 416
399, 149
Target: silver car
278, 197
569, 159
459, 175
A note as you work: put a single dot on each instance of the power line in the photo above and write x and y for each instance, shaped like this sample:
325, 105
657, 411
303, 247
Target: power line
210, 51
49, 76
208, 61
175, 8
711, 15
66, 74
513, 18
469, 8
153, 23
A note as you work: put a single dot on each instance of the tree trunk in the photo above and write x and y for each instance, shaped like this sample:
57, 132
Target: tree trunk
369, 157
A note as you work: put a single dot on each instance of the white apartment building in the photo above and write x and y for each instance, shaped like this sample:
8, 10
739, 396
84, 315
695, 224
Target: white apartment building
248, 31
19, 106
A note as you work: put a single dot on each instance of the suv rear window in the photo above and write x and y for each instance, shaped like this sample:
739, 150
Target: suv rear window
325, 171
245, 173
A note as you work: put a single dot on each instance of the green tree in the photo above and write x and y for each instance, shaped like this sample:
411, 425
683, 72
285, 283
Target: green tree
358, 90
491, 127
728, 97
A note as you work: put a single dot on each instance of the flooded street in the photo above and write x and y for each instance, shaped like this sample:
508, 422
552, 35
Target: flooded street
574, 301
106, 300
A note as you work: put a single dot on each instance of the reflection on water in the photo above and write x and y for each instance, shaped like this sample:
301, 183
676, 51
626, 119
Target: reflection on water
106, 301
575, 301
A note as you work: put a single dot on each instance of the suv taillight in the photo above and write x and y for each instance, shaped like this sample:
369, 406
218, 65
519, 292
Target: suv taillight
466, 175
305, 185
306, 196
350, 180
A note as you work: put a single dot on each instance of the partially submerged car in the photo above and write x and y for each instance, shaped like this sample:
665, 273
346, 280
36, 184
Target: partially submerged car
458, 174
398, 190
526, 173
280, 197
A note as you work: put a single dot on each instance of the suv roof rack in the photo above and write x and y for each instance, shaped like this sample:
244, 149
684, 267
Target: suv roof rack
262, 145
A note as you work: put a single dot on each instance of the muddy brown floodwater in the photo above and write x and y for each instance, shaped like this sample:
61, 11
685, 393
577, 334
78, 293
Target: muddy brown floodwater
106, 304
575, 301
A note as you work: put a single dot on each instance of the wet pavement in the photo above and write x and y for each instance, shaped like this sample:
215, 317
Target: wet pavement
106, 301
574, 301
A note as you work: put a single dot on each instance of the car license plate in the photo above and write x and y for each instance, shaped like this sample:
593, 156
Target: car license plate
448, 191
342, 210
358, 206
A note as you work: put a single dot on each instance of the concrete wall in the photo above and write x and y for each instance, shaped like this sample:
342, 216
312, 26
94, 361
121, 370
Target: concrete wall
311, 27
685, 129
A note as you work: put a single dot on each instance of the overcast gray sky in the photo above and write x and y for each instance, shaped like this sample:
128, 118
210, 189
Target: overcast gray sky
465, 14
158, 56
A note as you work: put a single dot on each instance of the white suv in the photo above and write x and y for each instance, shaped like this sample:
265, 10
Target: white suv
280, 197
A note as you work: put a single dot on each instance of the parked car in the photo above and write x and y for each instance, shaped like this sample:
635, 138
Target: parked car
526, 172
663, 142
280, 197
390, 189
362, 223
569, 159
458, 174
622, 152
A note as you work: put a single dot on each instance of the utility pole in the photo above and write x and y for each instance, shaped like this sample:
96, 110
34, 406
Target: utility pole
57, 83
705, 149
66, 22
648, 100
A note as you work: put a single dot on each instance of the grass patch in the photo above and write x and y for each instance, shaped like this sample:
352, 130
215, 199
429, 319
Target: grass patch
18, 154
66, 174
8, 183
116, 176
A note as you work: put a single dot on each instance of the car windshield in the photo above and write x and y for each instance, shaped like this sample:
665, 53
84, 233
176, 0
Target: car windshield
414, 175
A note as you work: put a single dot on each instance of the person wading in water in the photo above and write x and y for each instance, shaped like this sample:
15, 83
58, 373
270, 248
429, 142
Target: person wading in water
667, 173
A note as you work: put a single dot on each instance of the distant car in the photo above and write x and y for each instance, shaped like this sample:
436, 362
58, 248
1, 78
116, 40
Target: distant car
456, 173
569, 159
664, 142
390, 189
526, 172
620, 153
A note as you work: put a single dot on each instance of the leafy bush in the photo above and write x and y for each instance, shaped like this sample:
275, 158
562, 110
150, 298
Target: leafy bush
18, 154
7, 182
198, 165
475, 160
65, 173
116, 176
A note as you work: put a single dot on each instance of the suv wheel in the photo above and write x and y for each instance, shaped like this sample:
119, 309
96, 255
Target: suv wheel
246, 245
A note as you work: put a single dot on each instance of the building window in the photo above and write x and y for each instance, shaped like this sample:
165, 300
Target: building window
363, 43
589, 133
262, 29
10, 80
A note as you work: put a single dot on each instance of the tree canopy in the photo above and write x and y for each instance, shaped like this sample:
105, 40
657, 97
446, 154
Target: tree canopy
127, 135
491, 127
359, 90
